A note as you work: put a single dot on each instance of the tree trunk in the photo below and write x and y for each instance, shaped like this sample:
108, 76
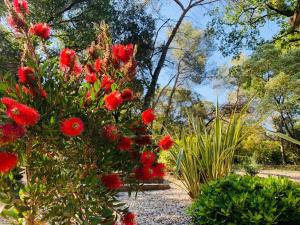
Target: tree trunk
151, 90
282, 150
168, 109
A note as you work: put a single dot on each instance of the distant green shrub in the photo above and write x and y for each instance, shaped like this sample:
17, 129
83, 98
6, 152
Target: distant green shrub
246, 200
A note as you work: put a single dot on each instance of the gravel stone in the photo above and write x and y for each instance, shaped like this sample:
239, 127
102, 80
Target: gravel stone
165, 207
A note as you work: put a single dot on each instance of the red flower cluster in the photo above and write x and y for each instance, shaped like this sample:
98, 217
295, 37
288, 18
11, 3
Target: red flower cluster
112, 181
166, 143
41, 29
10, 132
72, 127
22, 114
113, 100
125, 144
127, 95
91, 78
98, 65
8, 161
146, 172
122, 53
106, 83
21, 6
68, 62
147, 158
148, 116
111, 132
159, 170
25, 74
129, 219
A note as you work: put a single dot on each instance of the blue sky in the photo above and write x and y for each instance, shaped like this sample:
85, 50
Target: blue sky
199, 19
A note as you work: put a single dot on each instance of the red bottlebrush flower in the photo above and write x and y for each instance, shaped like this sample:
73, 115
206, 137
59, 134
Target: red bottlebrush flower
145, 173
67, 59
125, 144
127, 94
159, 170
112, 181
98, 65
77, 69
72, 127
110, 132
166, 142
106, 83
91, 78
8, 161
11, 132
129, 219
148, 116
147, 158
21, 6
143, 140
8, 102
25, 74
113, 100
43, 93
22, 114
122, 52
41, 29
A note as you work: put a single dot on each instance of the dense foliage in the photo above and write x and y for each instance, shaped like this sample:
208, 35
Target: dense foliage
71, 135
238, 200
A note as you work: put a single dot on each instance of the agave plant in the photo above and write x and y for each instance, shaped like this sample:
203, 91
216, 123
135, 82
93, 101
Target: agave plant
203, 153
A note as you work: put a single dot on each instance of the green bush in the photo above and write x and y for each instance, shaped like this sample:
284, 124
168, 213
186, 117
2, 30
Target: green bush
246, 200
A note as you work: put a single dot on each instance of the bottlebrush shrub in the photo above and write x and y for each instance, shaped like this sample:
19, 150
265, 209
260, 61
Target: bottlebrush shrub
247, 200
70, 134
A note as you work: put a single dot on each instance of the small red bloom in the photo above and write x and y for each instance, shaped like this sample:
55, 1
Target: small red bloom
67, 58
127, 94
91, 78
125, 144
143, 140
98, 65
113, 100
111, 132
41, 29
8, 161
122, 52
25, 74
10, 132
112, 181
21, 6
159, 170
8, 102
148, 116
145, 173
147, 158
138, 128
106, 83
129, 219
22, 114
72, 127
166, 142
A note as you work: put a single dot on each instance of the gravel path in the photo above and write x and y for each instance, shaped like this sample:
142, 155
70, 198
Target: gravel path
160, 207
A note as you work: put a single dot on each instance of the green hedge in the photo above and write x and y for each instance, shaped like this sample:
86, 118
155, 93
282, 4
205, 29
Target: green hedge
245, 200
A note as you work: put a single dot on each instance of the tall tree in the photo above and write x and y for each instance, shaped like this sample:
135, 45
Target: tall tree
190, 51
155, 71
272, 75
238, 24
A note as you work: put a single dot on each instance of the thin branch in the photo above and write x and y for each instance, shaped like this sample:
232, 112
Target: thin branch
179, 3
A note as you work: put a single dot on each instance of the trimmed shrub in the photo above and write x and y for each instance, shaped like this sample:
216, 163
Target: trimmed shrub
246, 200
